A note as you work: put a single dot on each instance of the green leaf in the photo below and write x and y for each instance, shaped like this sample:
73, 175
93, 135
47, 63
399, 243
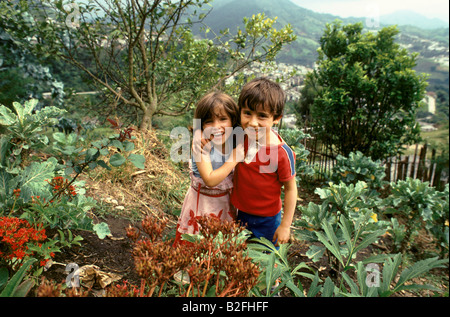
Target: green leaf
315, 252
12, 288
19, 110
128, 146
92, 154
117, 160
328, 288
138, 160
418, 269
3, 276
102, 230
32, 179
30, 105
330, 241
7, 117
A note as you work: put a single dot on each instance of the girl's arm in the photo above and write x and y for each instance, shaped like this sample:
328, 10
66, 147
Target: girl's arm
214, 177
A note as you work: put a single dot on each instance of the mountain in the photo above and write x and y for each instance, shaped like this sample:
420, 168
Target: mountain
407, 17
307, 25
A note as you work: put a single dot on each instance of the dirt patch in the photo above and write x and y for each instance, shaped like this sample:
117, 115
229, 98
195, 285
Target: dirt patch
111, 254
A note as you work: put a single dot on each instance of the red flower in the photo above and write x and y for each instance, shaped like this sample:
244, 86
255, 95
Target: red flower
14, 235
16, 192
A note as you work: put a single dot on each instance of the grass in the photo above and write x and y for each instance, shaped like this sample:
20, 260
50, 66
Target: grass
435, 139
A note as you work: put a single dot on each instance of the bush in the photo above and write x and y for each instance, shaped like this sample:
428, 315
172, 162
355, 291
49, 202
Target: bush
357, 167
421, 206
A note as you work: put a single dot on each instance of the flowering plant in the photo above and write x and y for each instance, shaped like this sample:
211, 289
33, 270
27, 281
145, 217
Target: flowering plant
212, 263
16, 236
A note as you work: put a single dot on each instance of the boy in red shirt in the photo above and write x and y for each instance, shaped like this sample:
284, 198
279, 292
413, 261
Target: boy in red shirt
269, 165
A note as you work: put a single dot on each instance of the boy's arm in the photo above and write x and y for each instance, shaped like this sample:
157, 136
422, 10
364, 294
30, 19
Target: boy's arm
283, 232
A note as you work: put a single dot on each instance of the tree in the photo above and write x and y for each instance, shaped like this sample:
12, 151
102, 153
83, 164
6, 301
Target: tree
143, 54
369, 92
308, 94
22, 76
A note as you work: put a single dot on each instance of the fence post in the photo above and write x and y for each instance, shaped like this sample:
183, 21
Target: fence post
388, 170
413, 169
421, 167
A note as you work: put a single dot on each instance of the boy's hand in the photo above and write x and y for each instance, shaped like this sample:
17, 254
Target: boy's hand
282, 235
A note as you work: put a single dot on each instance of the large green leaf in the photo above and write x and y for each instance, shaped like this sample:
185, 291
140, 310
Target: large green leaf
33, 179
138, 160
117, 160
7, 117
14, 288
102, 230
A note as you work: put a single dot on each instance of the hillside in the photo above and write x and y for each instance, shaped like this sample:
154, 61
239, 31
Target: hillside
307, 24
408, 17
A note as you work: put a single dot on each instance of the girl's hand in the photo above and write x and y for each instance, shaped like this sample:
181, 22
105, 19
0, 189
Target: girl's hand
239, 153
200, 147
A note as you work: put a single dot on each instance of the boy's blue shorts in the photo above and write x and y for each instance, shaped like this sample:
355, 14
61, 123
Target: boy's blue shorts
260, 226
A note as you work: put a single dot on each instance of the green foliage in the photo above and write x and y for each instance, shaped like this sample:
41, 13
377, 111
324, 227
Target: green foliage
154, 61
344, 223
276, 268
391, 282
22, 75
15, 287
368, 92
357, 167
293, 138
36, 190
423, 206
24, 127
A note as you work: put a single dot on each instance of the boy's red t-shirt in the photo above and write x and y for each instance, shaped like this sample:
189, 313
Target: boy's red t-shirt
257, 185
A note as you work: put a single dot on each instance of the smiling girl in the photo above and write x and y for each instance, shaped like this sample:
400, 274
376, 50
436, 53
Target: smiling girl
212, 164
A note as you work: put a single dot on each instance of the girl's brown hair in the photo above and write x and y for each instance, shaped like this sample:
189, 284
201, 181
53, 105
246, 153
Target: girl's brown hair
210, 104
263, 92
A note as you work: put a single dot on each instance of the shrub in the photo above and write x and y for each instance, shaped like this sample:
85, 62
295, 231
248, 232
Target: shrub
293, 138
213, 261
357, 167
421, 206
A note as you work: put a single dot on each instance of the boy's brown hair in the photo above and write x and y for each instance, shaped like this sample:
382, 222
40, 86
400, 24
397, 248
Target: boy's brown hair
212, 103
263, 92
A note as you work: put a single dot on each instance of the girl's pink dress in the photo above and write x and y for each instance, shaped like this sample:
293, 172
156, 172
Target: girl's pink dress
202, 200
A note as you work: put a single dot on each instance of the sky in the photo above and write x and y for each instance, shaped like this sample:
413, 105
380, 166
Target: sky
363, 8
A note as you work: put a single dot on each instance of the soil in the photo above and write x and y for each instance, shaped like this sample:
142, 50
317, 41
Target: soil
111, 254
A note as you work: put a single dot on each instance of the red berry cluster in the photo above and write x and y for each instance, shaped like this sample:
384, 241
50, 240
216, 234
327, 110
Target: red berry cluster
61, 186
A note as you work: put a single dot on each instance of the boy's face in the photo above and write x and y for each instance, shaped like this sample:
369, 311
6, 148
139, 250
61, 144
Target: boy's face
257, 124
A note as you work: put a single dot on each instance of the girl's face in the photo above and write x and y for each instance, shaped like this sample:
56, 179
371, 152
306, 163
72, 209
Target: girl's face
219, 127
